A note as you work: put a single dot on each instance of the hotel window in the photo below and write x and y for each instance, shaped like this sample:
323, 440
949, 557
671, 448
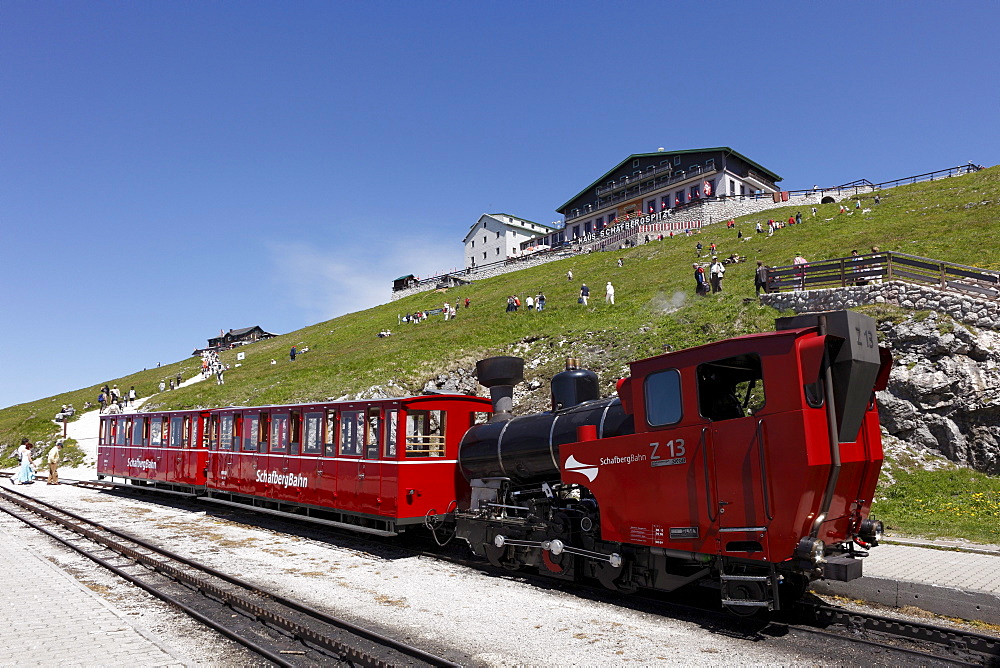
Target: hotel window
679, 197
498, 251
473, 243
637, 173
635, 163
732, 187
677, 160
484, 238
665, 202
664, 163
498, 234
586, 227
599, 224
484, 255
694, 168
651, 206
710, 163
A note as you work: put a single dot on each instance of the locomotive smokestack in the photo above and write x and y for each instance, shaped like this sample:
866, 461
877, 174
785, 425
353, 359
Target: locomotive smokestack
500, 374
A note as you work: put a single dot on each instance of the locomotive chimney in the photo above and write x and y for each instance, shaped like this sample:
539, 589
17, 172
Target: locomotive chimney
500, 374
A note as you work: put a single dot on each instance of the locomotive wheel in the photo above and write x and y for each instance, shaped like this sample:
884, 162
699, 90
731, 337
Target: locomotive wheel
609, 576
750, 591
498, 556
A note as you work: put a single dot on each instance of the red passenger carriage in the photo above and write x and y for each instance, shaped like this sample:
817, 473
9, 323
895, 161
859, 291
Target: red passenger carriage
166, 449
374, 466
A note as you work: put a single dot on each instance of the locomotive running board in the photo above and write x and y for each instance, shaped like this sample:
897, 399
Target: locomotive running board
305, 518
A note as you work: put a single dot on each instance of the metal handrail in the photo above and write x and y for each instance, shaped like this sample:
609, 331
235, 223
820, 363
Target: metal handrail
842, 272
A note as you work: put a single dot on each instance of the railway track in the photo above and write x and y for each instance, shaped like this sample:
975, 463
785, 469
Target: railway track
282, 631
907, 640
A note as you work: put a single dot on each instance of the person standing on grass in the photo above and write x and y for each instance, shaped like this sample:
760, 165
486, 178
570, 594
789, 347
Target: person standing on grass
716, 272
292, 353
609, 293
131, 396
584, 294
699, 279
760, 278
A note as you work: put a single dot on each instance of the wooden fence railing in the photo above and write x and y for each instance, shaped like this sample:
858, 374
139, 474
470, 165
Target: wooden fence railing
847, 271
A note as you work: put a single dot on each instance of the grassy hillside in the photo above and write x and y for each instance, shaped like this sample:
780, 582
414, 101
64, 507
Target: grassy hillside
947, 219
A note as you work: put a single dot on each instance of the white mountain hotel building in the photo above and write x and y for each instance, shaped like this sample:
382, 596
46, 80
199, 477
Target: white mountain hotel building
495, 237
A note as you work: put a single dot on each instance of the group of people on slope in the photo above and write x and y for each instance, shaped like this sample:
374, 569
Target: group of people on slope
114, 401
25, 474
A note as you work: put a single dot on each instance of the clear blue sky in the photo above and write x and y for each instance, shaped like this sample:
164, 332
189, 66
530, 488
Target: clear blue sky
170, 169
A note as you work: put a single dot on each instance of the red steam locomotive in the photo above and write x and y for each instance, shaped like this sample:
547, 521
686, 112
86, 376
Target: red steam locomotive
748, 464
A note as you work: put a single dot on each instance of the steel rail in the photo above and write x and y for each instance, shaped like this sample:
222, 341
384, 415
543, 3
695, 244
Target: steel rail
252, 609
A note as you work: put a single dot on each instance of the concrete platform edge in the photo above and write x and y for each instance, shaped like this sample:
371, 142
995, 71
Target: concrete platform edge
947, 601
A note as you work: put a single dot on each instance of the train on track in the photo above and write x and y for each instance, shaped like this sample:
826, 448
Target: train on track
748, 464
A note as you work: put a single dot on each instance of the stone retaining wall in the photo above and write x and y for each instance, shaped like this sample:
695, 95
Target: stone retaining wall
983, 313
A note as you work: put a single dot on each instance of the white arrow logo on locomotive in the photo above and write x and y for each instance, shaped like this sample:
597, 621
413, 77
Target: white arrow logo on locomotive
589, 470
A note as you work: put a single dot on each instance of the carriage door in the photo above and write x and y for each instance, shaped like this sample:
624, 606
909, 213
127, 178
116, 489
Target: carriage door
173, 461
278, 469
730, 392
370, 469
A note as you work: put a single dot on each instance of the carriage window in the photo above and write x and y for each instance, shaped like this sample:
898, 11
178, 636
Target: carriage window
226, 432
371, 449
313, 434
138, 431
330, 446
294, 433
663, 398
211, 434
391, 420
478, 417
121, 432
176, 432
263, 427
248, 434
352, 428
156, 432
279, 433
731, 388
425, 433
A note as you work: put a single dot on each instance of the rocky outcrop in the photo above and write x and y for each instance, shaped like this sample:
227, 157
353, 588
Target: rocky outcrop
943, 390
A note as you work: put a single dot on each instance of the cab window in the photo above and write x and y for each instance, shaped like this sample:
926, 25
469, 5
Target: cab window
425, 433
352, 429
731, 388
663, 398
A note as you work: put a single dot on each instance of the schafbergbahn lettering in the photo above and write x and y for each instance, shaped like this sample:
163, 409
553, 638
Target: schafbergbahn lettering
282, 479
627, 459
144, 464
